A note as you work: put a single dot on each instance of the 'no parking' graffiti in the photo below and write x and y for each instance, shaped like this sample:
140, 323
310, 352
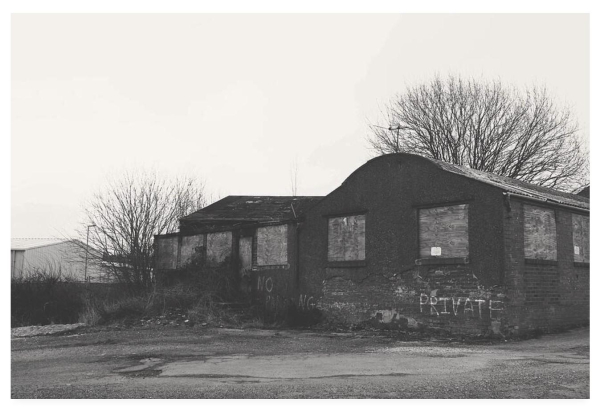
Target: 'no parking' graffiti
275, 301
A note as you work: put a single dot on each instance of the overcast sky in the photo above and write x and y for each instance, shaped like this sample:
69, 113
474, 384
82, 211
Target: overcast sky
237, 99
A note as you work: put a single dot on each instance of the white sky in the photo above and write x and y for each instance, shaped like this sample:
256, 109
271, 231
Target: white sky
236, 99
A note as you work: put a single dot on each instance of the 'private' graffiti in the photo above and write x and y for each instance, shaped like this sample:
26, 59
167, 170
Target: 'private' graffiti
459, 305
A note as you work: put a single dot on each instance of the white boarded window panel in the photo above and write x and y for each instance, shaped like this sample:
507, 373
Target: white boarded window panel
346, 238
167, 253
190, 246
271, 245
581, 238
218, 246
540, 233
444, 231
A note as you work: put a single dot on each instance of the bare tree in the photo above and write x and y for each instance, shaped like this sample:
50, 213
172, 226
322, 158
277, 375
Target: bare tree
126, 215
489, 127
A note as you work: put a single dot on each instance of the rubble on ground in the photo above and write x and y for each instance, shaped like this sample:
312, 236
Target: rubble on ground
34, 330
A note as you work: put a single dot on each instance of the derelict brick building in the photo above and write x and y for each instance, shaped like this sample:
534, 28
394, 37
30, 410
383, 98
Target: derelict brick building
258, 235
414, 242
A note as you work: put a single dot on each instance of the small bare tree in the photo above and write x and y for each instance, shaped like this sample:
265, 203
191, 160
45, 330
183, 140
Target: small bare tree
488, 127
126, 215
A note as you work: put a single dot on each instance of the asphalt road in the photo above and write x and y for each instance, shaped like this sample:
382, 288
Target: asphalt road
171, 362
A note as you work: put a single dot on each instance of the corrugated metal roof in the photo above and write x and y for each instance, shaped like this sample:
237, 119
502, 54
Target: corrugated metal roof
27, 243
254, 208
517, 187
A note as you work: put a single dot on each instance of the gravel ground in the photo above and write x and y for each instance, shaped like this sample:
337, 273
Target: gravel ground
200, 362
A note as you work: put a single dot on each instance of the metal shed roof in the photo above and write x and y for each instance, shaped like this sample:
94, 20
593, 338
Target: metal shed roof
27, 243
584, 192
511, 185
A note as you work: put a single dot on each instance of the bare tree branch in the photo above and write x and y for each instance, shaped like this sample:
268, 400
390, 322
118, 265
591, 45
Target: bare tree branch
129, 212
489, 127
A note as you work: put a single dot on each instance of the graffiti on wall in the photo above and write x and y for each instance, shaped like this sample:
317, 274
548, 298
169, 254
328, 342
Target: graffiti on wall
273, 301
306, 302
459, 305
264, 284
276, 302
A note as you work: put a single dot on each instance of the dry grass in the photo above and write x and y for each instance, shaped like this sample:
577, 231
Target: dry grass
201, 291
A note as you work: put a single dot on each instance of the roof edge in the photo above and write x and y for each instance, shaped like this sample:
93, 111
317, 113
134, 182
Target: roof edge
539, 195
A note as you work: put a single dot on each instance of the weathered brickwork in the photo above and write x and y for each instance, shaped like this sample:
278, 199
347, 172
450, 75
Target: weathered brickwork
542, 284
406, 242
394, 285
441, 297
495, 289
543, 294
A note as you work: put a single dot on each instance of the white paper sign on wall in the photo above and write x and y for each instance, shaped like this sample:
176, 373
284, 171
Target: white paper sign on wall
576, 250
436, 250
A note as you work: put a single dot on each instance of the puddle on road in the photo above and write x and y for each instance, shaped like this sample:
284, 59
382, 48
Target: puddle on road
141, 373
317, 366
147, 368
145, 363
304, 366
434, 351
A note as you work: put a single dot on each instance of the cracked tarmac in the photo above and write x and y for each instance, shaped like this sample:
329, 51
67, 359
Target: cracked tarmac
221, 363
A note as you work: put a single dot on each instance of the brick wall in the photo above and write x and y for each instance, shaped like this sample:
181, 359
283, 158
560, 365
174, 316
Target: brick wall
543, 294
436, 297
390, 287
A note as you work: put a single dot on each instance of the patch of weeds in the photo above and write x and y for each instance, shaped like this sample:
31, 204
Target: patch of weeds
202, 293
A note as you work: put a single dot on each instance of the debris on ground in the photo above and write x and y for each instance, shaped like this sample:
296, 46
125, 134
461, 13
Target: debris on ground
34, 330
172, 316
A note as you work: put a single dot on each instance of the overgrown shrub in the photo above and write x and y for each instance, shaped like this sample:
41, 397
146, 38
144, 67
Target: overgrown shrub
217, 280
203, 290
101, 311
45, 296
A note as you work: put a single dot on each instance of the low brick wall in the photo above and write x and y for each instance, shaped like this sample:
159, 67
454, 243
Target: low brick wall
448, 297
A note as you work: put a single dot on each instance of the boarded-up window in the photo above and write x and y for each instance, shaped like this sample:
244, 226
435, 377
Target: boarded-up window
167, 253
540, 233
271, 245
191, 246
346, 238
444, 231
581, 238
218, 246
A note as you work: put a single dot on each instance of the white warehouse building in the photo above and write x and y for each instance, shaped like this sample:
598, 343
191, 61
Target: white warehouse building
53, 256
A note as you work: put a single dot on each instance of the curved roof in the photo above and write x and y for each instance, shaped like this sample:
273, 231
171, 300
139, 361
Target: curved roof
509, 185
